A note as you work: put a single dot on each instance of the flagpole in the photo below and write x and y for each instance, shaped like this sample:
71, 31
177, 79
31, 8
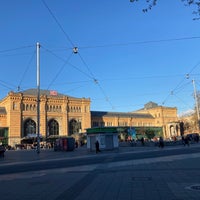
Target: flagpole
38, 97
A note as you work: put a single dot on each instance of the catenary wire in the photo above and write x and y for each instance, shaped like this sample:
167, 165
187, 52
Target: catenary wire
182, 80
14, 49
26, 70
59, 72
95, 80
60, 26
130, 43
141, 42
181, 100
4, 84
64, 60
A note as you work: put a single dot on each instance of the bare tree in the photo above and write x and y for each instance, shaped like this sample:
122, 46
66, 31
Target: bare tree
152, 3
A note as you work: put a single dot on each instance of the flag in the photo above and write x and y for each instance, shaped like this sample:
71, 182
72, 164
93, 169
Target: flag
53, 93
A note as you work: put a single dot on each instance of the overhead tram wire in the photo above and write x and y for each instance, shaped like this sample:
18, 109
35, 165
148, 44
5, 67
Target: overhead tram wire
65, 63
4, 84
185, 38
132, 43
62, 29
11, 50
14, 49
187, 76
173, 91
86, 65
62, 59
89, 76
197, 82
108, 79
141, 77
195, 66
60, 26
55, 55
143, 42
27, 68
95, 80
140, 42
59, 72
181, 100
106, 97
178, 90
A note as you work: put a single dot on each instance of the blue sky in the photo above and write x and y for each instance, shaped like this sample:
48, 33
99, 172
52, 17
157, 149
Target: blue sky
125, 58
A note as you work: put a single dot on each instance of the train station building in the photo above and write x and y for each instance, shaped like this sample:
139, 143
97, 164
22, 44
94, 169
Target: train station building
59, 115
63, 115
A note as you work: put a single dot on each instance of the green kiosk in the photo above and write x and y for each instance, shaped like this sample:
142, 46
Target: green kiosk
106, 136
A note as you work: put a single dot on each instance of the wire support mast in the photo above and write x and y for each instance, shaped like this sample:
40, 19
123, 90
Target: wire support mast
38, 97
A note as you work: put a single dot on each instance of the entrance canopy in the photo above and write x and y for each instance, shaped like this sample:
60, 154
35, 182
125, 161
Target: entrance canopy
30, 138
102, 130
33, 135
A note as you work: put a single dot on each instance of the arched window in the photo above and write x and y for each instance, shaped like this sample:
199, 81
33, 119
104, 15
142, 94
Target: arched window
74, 126
14, 106
172, 131
23, 106
53, 127
34, 107
29, 127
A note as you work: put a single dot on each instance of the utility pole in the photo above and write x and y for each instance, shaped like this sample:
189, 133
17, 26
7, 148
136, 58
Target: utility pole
196, 101
38, 97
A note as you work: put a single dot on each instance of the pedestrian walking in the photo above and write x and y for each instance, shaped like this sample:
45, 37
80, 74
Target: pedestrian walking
97, 146
187, 141
161, 142
183, 140
76, 144
142, 141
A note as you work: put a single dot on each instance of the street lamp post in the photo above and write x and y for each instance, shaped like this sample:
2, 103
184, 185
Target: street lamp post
38, 97
196, 102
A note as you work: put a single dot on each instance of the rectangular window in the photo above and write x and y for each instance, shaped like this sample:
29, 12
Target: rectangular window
109, 123
102, 124
95, 124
